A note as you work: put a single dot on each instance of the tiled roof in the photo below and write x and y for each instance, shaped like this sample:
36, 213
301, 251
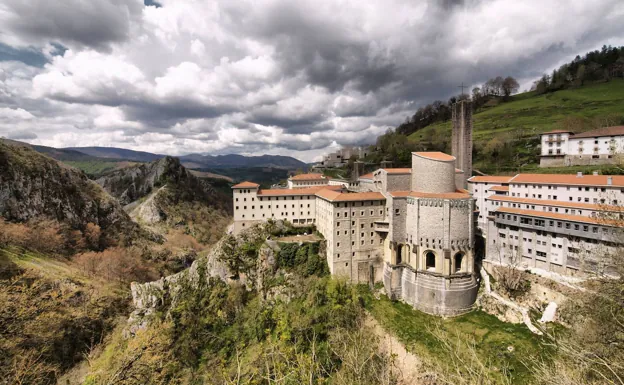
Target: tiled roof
549, 202
397, 170
499, 188
246, 185
307, 177
367, 176
604, 131
490, 179
557, 132
457, 171
296, 191
562, 217
399, 194
459, 194
336, 196
435, 155
569, 179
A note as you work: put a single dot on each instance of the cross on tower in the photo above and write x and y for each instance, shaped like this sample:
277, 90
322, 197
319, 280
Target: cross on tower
462, 88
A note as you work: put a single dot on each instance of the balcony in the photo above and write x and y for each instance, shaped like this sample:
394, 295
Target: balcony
382, 226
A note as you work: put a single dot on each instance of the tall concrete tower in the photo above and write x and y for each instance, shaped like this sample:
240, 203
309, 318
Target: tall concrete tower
462, 136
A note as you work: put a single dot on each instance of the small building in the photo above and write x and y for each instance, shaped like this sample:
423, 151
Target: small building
564, 148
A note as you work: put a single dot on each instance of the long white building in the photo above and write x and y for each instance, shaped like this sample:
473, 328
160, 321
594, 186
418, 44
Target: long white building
564, 148
412, 228
569, 224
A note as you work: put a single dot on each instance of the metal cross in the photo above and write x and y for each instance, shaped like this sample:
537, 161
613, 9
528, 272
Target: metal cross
462, 88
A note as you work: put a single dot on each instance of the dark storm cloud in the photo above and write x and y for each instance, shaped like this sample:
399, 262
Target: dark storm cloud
94, 24
281, 74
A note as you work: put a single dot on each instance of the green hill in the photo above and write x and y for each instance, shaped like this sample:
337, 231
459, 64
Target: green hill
506, 134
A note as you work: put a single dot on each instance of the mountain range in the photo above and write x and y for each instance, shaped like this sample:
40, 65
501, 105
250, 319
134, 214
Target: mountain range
193, 161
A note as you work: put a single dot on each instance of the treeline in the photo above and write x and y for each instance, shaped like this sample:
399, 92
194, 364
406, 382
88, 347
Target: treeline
599, 65
440, 111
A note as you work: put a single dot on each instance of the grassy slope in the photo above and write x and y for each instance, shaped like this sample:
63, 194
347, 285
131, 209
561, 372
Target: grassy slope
491, 336
51, 315
533, 114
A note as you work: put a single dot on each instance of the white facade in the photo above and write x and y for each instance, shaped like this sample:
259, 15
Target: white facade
411, 228
564, 223
563, 148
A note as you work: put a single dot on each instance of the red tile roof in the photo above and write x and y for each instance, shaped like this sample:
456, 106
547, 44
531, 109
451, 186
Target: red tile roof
499, 188
397, 170
563, 217
569, 179
336, 196
435, 155
246, 185
302, 177
459, 194
490, 179
604, 131
557, 132
296, 191
367, 176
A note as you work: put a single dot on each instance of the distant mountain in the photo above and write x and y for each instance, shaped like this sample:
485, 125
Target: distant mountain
195, 161
117, 153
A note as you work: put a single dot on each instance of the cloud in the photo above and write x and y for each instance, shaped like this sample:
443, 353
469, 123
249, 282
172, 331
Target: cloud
95, 24
266, 76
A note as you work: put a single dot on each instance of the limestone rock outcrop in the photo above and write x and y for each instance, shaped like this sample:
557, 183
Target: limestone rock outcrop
33, 185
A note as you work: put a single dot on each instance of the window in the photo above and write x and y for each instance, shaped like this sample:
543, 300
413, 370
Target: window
430, 261
458, 262
397, 212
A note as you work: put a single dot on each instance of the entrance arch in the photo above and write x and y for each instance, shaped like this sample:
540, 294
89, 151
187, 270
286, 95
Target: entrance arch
458, 260
430, 260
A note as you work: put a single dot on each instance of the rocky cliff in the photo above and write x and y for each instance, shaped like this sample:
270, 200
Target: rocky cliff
224, 262
33, 185
138, 181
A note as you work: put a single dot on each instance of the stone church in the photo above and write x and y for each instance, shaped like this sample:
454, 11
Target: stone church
411, 228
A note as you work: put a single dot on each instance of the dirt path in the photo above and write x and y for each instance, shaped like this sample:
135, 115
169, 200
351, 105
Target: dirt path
408, 364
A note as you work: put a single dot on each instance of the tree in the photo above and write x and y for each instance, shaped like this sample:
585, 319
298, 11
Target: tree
509, 86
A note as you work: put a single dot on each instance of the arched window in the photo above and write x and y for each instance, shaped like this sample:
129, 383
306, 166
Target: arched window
430, 261
399, 253
459, 257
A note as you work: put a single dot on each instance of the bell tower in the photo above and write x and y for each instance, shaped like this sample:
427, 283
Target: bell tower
462, 136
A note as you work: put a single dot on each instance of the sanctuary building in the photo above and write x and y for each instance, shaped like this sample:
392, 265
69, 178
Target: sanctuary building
412, 228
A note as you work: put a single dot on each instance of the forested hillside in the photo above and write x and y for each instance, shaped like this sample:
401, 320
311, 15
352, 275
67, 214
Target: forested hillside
584, 94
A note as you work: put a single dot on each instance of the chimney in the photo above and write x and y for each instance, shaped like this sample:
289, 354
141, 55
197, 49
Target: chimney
595, 173
609, 181
579, 174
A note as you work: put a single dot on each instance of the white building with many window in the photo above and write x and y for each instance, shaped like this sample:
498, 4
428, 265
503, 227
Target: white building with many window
412, 228
568, 224
564, 148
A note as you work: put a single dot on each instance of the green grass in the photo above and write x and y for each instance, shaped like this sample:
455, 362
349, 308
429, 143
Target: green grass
522, 119
94, 168
491, 336
535, 114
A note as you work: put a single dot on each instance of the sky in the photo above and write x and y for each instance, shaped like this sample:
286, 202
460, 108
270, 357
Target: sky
298, 78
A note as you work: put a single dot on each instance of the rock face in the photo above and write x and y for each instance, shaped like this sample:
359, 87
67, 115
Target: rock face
136, 182
33, 185
161, 295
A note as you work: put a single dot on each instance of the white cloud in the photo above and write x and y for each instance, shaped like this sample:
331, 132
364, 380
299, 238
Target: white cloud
269, 76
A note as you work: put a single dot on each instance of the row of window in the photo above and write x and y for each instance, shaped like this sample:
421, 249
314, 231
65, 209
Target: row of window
269, 206
542, 223
283, 214
354, 213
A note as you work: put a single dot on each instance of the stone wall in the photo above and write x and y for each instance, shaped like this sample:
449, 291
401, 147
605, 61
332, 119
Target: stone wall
432, 175
462, 136
431, 293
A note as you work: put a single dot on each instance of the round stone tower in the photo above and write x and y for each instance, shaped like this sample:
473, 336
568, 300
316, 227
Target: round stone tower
432, 261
